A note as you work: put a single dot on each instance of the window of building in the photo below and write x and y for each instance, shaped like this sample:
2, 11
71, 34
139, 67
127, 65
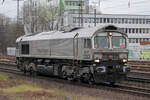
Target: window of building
146, 39
74, 20
126, 30
66, 2
148, 21
115, 20
129, 30
69, 3
137, 21
129, 21
143, 30
133, 30
137, 40
133, 21
122, 20
119, 20
126, 20
142, 39
136, 30
140, 21
129, 40
100, 20
74, 3
104, 20
108, 20
97, 20
85, 20
133, 40
111, 20
92, 20
144, 21
140, 30
147, 30
89, 20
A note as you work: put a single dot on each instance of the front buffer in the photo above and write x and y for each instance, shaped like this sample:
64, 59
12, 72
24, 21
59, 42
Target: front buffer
110, 71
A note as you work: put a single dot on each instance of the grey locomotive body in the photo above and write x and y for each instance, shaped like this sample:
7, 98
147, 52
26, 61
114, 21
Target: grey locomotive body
91, 54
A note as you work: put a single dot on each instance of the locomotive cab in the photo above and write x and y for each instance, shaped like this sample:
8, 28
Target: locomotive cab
110, 55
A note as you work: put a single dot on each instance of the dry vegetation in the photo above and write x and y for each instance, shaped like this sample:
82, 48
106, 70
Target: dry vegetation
25, 90
14, 87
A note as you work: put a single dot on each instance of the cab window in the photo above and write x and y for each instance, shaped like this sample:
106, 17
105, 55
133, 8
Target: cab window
87, 43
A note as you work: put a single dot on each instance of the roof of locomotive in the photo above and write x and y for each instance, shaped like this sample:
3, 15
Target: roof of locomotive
82, 33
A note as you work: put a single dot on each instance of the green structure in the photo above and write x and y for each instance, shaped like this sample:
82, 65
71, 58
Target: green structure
145, 54
73, 6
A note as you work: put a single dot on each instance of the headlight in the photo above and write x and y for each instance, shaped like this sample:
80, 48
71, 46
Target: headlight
97, 60
124, 60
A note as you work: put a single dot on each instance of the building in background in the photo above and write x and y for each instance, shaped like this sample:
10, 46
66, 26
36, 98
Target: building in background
73, 6
137, 28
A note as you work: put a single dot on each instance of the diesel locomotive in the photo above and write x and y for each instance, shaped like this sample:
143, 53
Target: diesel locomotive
94, 55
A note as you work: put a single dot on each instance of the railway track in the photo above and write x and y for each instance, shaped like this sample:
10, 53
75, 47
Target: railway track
137, 79
140, 65
118, 87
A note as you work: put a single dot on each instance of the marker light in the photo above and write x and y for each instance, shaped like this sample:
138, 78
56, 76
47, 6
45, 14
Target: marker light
110, 57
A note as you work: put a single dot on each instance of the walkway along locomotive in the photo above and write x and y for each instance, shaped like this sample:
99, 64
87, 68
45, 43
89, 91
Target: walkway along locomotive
96, 54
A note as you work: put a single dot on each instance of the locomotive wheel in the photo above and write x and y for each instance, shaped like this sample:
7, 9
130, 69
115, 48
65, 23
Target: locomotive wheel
91, 80
33, 70
70, 78
64, 75
24, 68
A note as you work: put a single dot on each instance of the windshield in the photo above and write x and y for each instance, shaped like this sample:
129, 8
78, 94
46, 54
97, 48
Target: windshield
118, 42
101, 42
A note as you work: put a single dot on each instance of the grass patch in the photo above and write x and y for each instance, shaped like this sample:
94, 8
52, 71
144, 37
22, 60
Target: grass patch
3, 77
71, 96
31, 91
18, 99
34, 92
22, 88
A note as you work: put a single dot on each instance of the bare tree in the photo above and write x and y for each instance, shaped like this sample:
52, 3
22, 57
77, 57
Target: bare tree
39, 18
9, 31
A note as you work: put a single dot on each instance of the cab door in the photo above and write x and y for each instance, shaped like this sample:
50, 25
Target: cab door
75, 46
87, 49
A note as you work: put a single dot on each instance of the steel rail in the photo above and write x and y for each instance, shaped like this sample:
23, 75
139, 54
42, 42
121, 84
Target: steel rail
137, 79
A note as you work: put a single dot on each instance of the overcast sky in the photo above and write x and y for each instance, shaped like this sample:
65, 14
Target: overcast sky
9, 7
125, 6
106, 6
